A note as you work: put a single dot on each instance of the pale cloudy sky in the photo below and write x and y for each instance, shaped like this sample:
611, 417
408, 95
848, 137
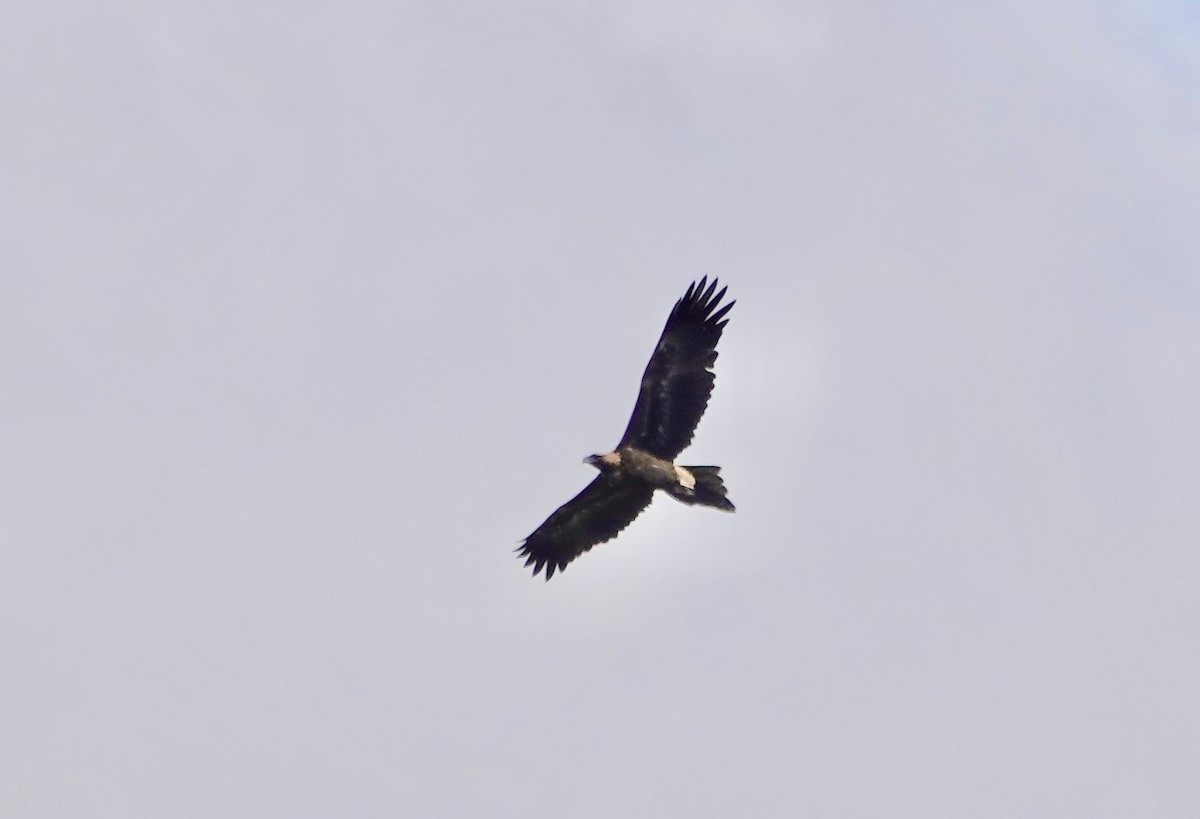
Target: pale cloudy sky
309, 313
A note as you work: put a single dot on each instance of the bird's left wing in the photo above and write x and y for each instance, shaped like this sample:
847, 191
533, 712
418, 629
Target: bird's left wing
679, 379
606, 506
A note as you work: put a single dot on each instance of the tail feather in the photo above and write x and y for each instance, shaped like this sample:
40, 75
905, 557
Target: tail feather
710, 489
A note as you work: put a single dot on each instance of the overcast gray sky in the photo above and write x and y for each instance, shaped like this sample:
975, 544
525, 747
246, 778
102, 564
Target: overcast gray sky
308, 314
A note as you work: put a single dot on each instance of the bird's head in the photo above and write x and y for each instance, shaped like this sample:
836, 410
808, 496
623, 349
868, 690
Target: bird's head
603, 462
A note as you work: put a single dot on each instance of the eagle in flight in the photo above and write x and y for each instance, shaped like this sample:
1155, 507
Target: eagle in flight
674, 394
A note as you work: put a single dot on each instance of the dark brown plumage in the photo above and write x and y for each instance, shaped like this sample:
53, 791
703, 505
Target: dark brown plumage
674, 393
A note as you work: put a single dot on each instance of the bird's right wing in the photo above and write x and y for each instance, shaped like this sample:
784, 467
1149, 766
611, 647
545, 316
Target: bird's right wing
606, 506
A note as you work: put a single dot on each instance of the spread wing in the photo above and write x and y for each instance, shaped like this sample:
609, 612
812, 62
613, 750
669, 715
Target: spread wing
679, 379
606, 506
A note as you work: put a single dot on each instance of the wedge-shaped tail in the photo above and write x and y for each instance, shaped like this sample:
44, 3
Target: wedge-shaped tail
710, 489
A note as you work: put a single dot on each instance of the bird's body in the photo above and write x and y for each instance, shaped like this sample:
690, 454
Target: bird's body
674, 394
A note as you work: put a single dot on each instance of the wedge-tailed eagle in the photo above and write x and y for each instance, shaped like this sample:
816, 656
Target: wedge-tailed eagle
674, 394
